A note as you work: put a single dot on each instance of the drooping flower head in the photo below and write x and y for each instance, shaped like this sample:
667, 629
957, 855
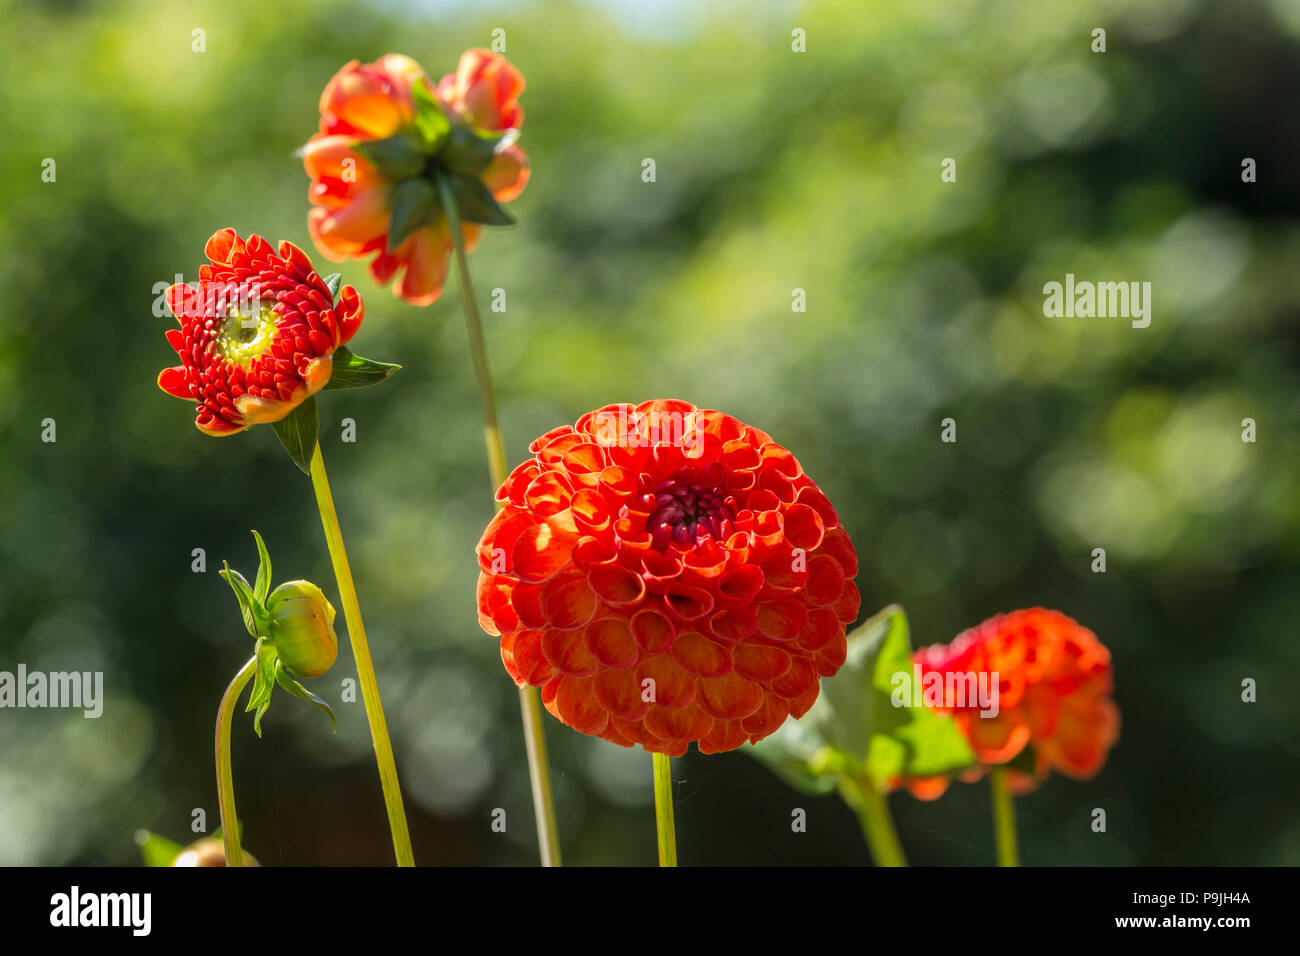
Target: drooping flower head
1053, 692
257, 333
386, 135
667, 575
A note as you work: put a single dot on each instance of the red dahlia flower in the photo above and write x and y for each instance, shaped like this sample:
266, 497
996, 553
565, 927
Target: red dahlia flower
386, 135
257, 334
667, 575
1054, 686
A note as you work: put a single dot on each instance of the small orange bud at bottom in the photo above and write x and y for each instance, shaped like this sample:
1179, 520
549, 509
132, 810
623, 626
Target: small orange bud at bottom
209, 851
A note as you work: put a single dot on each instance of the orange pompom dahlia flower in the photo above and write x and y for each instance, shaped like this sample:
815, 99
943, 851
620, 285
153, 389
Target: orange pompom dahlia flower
386, 136
667, 575
257, 333
1054, 686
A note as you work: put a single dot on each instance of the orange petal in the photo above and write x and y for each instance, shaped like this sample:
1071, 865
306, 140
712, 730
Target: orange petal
730, 696
567, 651
700, 656
172, 381
426, 259
567, 602
760, 663
507, 174
611, 641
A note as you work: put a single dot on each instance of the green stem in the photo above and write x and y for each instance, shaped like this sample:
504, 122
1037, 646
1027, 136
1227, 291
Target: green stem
530, 706
872, 808
226, 779
365, 667
664, 810
1004, 818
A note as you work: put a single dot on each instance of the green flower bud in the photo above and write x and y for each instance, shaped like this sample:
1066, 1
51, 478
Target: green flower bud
302, 628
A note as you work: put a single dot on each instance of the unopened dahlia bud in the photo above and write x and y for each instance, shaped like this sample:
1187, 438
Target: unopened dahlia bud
302, 628
209, 851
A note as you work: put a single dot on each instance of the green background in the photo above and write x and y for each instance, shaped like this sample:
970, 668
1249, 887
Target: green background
776, 170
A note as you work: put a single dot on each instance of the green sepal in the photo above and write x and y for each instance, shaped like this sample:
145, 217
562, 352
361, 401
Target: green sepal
263, 586
333, 281
263, 683
414, 203
297, 432
249, 606
354, 371
395, 158
430, 121
475, 203
293, 687
157, 850
469, 153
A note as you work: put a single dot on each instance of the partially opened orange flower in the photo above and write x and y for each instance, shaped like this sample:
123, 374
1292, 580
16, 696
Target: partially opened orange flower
1053, 692
257, 333
666, 575
386, 138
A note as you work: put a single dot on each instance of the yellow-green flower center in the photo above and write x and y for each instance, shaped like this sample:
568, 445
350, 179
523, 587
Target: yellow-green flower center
244, 335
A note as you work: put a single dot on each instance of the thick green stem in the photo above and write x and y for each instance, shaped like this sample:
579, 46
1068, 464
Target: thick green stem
365, 667
1004, 818
664, 827
225, 778
530, 706
872, 808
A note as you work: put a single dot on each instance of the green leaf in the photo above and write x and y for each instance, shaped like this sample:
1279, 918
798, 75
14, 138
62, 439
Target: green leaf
855, 730
353, 371
414, 203
475, 203
430, 121
334, 280
157, 850
293, 687
263, 586
297, 432
395, 158
248, 602
469, 152
263, 683
793, 754
858, 712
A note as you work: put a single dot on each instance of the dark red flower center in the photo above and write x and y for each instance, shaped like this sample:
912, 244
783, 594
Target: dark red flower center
688, 507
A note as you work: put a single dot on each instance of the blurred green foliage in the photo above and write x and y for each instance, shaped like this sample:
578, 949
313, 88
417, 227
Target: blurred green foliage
776, 171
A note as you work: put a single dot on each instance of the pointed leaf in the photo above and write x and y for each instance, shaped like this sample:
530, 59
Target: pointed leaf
297, 433
293, 687
858, 713
395, 158
354, 371
263, 586
334, 280
469, 152
244, 594
263, 683
855, 730
414, 204
475, 203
